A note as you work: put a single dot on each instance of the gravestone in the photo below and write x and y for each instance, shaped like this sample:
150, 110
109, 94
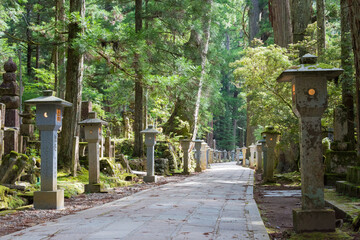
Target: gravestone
150, 141
9, 93
203, 156
238, 156
27, 126
49, 111
207, 156
309, 97
185, 145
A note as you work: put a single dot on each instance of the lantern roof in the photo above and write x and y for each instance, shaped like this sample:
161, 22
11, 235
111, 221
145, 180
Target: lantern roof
198, 141
92, 120
310, 67
48, 98
270, 130
150, 129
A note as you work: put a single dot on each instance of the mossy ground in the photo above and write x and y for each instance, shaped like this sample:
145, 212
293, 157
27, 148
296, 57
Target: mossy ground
338, 234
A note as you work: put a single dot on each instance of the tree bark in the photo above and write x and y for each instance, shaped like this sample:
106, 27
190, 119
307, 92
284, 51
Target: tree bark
74, 76
354, 14
138, 116
254, 16
320, 15
301, 17
204, 50
279, 14
347, 79
60, 14
29, 38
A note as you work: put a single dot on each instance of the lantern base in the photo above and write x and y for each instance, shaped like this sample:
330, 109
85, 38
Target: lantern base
150, 179
49, 199
315, 220
94, 188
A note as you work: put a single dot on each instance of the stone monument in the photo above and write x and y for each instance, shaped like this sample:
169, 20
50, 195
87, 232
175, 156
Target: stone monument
93, 133
309, 97
185, 145
252, 148
150, 141
198, 144
243, 149
271, 136
49, 111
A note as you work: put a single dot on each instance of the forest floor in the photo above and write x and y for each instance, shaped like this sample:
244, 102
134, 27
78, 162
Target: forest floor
23, 219
276, 212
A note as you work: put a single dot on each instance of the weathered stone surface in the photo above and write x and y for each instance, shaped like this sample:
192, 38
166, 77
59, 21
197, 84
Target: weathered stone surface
162, 166
185, 144
49, 199
338, 161
321, 220
11, 140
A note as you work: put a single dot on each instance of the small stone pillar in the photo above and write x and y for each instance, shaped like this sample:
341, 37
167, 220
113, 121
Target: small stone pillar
49, 111
198, 144
93, 133
150, 141
185, 145
259, 157
243, 149
207, 157
309, 97
2, 125
271, 140
26, 127
211, 157
252, 148
203, 157
109, 146
238, 156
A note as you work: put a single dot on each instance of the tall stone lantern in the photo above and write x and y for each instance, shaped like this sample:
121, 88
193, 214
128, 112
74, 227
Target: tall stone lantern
49, 111
309, 97
93, 134
185, 144
198, 154
150, 141
271, 138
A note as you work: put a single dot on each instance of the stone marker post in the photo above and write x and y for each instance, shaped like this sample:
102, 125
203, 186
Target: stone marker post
252, 148
93, 133
203, 156
49, 120
238, 156
150, 141
198, 144
207, 157
309, 97
185, 145
243, 149
211, 158
264, 155
259, 157
271, 140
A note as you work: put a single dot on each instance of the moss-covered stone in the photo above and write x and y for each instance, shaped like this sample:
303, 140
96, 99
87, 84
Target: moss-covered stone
338, 161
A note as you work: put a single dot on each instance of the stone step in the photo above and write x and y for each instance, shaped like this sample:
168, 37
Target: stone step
353, 175
348, 188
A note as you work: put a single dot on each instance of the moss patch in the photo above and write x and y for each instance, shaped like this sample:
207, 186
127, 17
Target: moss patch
338, 234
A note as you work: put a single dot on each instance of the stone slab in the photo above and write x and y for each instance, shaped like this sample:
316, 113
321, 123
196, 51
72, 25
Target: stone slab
150, 179
316, 220
49, 199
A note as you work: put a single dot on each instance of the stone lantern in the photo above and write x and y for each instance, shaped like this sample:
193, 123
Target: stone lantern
259, 156
49, 111
198, 154
185, 144
243, 149
309, 97
150, 141
93, 133
238, 155
271, 136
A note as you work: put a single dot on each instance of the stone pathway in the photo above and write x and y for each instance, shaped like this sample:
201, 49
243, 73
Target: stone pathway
217, 204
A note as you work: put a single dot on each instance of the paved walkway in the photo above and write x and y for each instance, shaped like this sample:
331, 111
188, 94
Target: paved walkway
217, 204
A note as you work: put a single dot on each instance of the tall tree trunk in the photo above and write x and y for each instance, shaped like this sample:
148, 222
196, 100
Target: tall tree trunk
301, 17
280, 18
206, 21
29, 38
320, 15
138, 117
74, 76
60, 12
254, 18
354, 14
347, 79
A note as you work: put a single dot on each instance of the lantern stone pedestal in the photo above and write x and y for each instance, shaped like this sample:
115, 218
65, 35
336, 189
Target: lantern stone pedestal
49, 120
271, 137
309, 95
243, 149
150, 141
